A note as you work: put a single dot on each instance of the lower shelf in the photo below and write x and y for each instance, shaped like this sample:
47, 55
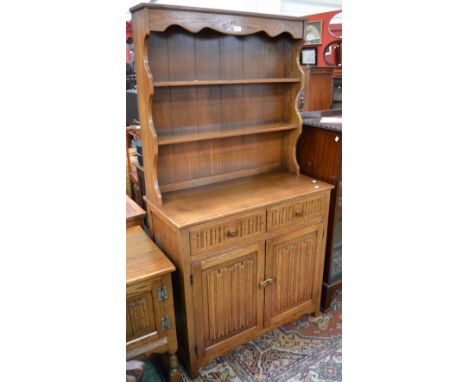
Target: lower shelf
168, 139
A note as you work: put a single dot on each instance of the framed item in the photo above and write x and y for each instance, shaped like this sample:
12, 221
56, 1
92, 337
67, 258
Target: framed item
309, 56
313, 33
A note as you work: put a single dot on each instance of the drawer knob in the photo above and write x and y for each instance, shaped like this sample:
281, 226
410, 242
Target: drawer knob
232, 233
299, 213
265, 283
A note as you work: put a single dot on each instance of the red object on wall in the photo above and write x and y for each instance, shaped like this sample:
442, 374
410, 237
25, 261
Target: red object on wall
129, 30
128, 35
326, 35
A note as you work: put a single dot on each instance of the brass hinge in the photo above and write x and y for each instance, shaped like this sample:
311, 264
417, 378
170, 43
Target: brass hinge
162, 293
191, 279
165, 322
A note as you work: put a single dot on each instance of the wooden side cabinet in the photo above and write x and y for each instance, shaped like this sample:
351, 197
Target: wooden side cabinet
319, 155
150, 305
318, 89
135, 214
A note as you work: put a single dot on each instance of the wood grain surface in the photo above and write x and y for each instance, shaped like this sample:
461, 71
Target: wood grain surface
144, 259
189, 207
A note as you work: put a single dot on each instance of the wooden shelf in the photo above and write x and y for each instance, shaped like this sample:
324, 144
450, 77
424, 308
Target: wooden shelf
170, 139
163, 84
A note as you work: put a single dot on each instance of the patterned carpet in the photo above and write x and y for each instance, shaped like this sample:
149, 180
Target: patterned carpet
306, 350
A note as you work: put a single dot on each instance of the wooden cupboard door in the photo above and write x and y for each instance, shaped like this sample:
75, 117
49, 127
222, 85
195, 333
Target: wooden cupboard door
294, 267
227, 298
144, 313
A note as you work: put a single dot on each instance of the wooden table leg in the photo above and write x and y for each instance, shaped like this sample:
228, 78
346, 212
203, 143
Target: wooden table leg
174, 375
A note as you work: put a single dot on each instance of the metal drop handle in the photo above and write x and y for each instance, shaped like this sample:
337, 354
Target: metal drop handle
337, 138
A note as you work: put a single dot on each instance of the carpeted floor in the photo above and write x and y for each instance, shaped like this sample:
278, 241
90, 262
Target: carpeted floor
306, 350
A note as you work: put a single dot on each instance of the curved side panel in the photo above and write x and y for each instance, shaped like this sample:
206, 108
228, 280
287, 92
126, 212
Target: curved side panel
145, 100
297, 114
291, 140
194, 22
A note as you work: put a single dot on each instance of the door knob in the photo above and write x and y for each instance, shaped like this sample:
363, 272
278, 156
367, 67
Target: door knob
232, 233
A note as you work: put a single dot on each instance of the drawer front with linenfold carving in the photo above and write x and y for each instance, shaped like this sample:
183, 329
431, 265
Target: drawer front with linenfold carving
295, 213
215, 235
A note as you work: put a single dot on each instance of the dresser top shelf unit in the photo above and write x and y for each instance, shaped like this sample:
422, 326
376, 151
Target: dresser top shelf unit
217, 95
189, 207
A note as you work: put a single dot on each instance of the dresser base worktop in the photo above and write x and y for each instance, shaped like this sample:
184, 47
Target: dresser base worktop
202, 204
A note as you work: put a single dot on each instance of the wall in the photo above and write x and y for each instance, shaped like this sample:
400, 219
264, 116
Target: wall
326, 36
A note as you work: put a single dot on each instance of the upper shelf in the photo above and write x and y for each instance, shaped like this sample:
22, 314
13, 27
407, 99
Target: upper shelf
161, 84
168, 139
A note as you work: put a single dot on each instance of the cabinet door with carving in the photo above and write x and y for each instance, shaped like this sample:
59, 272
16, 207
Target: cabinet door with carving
293, 271
144, 313
228, 301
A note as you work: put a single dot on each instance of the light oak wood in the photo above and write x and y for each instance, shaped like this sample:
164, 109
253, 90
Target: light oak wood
218, 94
290, 263
231, 302
150, 307
300, 211
221, 132
162, 84
135, 213
212, 236
195, 19
193, 206
216, 88
144, 259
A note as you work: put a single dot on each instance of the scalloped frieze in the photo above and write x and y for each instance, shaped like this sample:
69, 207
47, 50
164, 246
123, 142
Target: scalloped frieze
194, 22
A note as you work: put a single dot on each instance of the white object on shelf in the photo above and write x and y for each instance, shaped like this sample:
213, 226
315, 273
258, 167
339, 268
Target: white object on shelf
330, 120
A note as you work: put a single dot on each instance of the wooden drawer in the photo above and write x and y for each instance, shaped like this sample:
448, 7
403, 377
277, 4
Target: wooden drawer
298, 212
219, 234
140, 287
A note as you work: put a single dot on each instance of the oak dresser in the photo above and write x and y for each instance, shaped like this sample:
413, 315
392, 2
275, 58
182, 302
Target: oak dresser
217, 96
